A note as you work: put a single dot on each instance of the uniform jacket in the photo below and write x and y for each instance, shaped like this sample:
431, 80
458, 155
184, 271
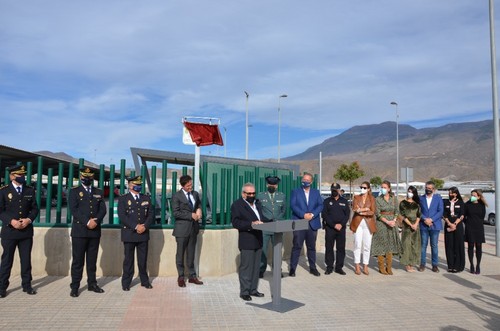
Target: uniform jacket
132, 213
369, 216
435, 212
273, 208
15, 206
182, 211
84, 207
335, 212
242, 216
299, 206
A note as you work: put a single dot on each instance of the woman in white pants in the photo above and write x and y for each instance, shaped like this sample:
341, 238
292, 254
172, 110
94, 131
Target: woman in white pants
363, 226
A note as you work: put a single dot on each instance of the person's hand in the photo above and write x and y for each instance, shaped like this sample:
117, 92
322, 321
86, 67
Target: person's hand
16, 224
24, 222
92, 224
257, 222
140, 229
428, 221
391, 223
338, 227
308, 216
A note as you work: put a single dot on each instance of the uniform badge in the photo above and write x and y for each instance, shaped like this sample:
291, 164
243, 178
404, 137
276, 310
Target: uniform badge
129, 203
9, 196
81, 194
331, 203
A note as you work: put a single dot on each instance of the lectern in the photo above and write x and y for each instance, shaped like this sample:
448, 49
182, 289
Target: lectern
278, 228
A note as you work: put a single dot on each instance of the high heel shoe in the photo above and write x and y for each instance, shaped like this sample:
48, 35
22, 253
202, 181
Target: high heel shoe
357, 271
365, 269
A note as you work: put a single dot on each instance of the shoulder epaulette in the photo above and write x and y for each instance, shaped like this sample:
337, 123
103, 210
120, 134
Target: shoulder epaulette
1, 188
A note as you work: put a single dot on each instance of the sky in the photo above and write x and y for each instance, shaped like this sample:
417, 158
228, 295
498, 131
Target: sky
94, 78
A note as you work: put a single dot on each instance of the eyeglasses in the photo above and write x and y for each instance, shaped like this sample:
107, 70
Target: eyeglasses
249, 193
363, 187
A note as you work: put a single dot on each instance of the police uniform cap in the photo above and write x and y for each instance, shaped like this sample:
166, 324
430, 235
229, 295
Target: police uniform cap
335, 186
135, 180
273, 180
86, 172
17, 170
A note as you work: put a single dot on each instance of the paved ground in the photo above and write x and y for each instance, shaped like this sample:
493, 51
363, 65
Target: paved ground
411, 301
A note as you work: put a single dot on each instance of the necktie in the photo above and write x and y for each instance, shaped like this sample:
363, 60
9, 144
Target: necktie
19, 190
137, 198
189, 200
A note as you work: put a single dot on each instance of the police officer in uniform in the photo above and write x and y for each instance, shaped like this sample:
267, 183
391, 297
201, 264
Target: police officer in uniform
274, 209
335, 215
137, 216
88, 208
18, 209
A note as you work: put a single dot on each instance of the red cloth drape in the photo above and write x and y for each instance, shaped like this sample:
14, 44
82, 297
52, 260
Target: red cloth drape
204, 134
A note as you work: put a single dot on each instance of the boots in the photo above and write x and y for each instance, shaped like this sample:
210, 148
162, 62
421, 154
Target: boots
358, 270
388, 256
381, 265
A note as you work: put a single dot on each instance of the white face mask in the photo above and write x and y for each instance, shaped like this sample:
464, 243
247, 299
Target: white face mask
383, 191
363, 191
409, 195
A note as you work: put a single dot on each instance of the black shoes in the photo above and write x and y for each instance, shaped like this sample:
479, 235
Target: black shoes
291, 273
328, 271
246, 297
29, 290
74, 293
257, 294
148, 286
340, 272
95, 288
435, 268
314, 272
3, 293
261, 275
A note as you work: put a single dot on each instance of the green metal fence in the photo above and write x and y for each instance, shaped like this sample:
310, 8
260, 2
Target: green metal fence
220, 185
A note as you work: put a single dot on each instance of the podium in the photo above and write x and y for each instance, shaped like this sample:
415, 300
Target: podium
278, 228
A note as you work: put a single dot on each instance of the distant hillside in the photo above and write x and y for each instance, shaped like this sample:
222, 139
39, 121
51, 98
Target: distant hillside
458, 151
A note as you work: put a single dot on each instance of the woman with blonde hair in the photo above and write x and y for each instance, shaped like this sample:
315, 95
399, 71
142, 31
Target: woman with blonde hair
475, 210
363, 225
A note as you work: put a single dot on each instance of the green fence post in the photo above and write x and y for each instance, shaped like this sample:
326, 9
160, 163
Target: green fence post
122, 176
222, 214
69, 186
48, 204
229, 193
173, 190
111, 200
101, 177
163, 191
60, 177
153, 191
204, 192
39, 176
214, 199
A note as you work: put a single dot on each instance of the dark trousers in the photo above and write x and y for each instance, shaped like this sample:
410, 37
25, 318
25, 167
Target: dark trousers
128, 262
187, 246
267, 237
455, 248
9, 248
84, 251
309, 236
333, 236
248, 271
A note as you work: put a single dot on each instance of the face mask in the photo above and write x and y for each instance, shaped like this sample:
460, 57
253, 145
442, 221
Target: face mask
363, 191
428, 192
86, 181
271, 189
306, 184
409, 195
21, 180
383, 191
452, 197
137, 188
473, 198
335, 193
250, 200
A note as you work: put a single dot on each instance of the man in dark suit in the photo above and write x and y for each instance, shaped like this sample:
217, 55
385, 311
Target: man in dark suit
18, 209
431, 206
245, 212
306, 203
187, 213
136, 215
88, 208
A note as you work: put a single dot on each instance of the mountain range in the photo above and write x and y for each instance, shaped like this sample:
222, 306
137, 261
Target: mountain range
455, 152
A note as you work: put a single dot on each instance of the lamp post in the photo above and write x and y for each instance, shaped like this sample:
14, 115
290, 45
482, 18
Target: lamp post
397, 147
279, 124
225, 141
246, 126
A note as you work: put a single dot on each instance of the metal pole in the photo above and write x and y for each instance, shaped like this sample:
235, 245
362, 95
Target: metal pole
320, 170
397, 147
495, 124
279, 125
225, 141
246, 126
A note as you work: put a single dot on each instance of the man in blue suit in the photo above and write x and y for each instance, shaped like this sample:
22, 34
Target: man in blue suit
306, 203
430, 224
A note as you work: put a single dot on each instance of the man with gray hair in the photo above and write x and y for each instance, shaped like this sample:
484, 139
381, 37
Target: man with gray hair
245, 212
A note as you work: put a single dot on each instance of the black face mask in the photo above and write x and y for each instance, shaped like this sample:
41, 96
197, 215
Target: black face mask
271, 189
250, 199
428, 192
21, 180
86, 181
335, 193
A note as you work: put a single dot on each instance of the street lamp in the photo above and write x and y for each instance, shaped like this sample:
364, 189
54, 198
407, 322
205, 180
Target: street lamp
246, 126
397, 147
225, 141
279, 123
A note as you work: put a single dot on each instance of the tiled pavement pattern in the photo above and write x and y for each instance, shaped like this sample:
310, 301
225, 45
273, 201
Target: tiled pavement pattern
405, 301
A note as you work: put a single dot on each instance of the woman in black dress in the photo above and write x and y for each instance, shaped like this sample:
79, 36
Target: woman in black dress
453, 215
475, 210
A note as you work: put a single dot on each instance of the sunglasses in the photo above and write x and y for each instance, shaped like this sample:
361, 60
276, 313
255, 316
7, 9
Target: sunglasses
363, 187
249, 193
